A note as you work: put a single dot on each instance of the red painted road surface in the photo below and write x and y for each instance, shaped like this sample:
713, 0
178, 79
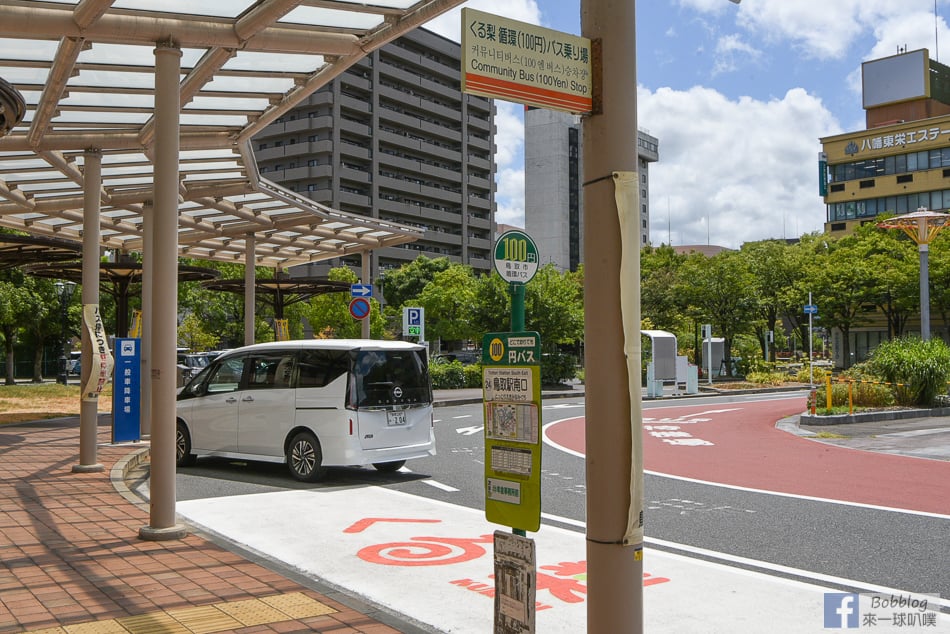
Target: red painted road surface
738, 444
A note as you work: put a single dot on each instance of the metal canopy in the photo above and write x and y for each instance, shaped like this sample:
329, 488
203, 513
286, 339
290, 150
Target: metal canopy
17, 250
282, 291
116, 279
86, 72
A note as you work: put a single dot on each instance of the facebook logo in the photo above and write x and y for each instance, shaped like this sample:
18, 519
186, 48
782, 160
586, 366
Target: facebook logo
841, 610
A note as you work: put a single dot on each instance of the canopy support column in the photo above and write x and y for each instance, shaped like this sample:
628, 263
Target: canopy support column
148, 285
162, 524
364, 277
250, 287
89, 407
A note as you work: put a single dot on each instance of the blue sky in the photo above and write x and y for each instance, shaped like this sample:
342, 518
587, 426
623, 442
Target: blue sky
738, 96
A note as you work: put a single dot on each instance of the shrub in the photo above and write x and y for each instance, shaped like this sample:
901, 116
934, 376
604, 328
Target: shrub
557, 367
919, 369
473, 375
766, 378
447, 376
862, 395
818, 374
452, 375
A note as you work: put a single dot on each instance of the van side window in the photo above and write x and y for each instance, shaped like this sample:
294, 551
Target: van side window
319, 368
271, 371
226, 377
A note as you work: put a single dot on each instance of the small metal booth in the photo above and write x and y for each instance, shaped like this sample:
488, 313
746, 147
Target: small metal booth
665, 366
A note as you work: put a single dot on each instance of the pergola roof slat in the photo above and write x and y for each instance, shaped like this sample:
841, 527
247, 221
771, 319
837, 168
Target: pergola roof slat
85, 69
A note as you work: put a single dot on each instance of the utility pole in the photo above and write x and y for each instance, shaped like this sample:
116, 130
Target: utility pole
614, 417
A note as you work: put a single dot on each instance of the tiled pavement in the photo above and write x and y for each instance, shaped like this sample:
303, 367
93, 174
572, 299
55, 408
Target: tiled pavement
71, 560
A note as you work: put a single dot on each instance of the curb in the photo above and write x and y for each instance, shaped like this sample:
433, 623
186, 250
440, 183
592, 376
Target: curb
872, 417
119, 475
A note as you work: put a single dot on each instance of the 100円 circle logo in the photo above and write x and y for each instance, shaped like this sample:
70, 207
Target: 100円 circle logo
397, 392
496, 349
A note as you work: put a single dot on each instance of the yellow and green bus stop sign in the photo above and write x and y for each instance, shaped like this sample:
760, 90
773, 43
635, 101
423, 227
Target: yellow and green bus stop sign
511, 393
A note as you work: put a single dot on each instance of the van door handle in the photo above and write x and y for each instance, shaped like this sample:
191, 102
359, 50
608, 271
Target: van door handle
230, 399
248, 399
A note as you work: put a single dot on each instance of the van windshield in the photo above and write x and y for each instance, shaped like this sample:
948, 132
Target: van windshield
389, 377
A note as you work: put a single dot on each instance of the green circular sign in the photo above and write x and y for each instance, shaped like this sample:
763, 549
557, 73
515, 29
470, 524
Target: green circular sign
516, 257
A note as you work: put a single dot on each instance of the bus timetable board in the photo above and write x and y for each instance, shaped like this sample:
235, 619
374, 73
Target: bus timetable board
511, 389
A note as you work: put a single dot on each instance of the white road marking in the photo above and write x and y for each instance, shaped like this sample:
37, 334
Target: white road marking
463, 416
469, 431
745, 561
795, 496
438, 485
916, 432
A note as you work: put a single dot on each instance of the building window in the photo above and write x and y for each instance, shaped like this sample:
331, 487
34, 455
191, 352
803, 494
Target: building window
262, 146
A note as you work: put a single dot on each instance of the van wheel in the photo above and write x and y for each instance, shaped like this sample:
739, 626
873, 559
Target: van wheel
183, 455
389, 467
305, 458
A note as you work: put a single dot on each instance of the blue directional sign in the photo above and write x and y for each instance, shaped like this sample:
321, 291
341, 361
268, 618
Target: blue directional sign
361, 290
811, 309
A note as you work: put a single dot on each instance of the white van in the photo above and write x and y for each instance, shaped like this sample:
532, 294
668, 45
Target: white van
312, 404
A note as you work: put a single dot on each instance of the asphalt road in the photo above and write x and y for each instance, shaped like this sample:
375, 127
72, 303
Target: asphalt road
784, 535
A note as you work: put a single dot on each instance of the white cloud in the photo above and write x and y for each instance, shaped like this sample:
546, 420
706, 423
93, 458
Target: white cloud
820, 29
449, 24
510, 208
728, 48
749, 166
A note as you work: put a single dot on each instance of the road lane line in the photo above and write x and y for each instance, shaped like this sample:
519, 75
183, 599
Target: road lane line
755, 563
796, 496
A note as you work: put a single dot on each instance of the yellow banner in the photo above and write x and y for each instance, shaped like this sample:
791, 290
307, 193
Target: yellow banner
136, 330
282, 329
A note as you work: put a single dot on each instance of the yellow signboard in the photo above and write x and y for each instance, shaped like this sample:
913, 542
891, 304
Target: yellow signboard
525, 63
511, 395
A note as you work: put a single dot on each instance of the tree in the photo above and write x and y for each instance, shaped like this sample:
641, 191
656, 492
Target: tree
554, 307
449, 301
221, 312
193, 335
491, 310
14, 312
891, 257
406, 283
660, 268
44, 325
330, 317
842, 284
773, 272
719, 289
939, 260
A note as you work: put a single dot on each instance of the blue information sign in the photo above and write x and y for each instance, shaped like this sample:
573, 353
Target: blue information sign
126, 392
811, 309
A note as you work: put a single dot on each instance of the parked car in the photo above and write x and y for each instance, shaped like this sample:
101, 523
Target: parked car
192, 364
311, 404
465, 357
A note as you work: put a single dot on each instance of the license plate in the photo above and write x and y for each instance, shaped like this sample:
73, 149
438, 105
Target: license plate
395, 418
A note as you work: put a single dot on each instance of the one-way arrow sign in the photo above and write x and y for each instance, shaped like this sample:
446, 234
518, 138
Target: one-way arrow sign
361, 290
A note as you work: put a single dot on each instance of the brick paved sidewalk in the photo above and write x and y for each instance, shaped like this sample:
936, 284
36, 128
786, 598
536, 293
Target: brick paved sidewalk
71, 560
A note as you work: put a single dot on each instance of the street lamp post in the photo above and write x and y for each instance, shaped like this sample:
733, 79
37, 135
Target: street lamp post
64, 290
921, 226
